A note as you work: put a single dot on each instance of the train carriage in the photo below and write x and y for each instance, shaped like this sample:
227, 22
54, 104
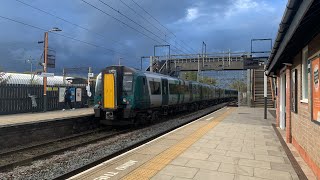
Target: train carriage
128, 96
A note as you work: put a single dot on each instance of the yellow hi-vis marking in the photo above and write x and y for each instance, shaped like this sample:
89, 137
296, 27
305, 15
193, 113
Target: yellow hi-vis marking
153, 166
108, 94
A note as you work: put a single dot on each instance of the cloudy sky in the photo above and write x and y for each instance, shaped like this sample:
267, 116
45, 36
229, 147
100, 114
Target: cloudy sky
97, 33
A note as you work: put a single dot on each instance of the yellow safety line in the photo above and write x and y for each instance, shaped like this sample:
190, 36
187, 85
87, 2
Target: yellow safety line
152, 167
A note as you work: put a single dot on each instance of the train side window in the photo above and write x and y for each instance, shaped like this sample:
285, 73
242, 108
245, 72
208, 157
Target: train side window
155, 87
173, 88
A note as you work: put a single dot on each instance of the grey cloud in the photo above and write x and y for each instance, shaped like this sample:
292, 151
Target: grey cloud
207, 27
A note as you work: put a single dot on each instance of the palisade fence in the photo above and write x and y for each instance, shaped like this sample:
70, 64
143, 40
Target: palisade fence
17, 98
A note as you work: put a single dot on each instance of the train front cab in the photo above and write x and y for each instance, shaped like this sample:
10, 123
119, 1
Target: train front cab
106, 90
117, 96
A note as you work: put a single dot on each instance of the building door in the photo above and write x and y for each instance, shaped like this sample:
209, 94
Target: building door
283, 101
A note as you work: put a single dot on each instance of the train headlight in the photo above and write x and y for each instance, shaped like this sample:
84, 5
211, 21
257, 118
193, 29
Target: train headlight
124, 100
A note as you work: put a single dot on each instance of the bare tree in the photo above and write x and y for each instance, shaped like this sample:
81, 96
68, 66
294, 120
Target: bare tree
239, 85
192, 76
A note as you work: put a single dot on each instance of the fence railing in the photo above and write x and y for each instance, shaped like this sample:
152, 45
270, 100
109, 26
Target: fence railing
19, 98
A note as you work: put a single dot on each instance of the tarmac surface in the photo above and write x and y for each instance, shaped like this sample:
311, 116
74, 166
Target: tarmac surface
231, 143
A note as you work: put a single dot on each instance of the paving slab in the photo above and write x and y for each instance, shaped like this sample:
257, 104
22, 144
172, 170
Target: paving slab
205, 174
272, 174
233, 143
201, 164
179, 171
269, 158
236, 169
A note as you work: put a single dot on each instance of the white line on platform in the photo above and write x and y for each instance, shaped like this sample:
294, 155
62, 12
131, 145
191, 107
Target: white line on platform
99, 165
209, 119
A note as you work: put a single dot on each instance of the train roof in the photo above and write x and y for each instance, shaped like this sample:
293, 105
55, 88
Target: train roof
161, 75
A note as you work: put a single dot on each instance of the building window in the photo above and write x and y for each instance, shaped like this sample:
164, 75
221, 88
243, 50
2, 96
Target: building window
305, 84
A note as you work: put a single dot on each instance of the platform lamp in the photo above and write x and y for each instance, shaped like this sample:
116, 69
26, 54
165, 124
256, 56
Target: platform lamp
45, 55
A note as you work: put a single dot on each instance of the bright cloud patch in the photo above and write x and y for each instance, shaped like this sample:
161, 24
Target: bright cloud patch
248, 6
245, 4
193, 14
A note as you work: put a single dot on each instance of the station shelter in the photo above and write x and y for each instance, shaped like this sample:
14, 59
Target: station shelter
295, 64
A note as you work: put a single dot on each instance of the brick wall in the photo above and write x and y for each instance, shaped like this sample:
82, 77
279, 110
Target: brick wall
305, 133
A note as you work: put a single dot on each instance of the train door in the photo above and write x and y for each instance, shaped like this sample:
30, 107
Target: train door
165, 93
182, 91
190, 92
186, 92
155, 91
142, 97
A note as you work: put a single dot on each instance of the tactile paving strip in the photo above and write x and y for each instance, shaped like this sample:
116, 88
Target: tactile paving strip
150, 168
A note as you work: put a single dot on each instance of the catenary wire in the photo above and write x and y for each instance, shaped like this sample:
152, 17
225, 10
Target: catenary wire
137, 23
67, 21
158, 21
62, 35
117, 19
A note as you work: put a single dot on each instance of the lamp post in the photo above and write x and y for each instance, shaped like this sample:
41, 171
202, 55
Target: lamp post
30, 61
45, 54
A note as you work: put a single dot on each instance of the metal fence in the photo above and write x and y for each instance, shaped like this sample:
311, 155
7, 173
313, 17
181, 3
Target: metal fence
19, 98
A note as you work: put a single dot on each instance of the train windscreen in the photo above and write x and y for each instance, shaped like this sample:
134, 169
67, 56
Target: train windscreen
127, 83
98, 88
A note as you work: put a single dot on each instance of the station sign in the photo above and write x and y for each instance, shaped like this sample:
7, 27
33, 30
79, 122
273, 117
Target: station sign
46, 74
90, 75
251, 63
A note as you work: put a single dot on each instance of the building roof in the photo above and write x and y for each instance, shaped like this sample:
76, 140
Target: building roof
300, 23
17, 78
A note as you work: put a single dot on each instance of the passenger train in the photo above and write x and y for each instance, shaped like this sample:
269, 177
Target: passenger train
128, 96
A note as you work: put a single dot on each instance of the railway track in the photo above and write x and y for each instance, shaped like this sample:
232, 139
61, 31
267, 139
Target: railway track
24, 156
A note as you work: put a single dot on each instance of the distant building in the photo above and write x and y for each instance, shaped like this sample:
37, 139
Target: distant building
295, 63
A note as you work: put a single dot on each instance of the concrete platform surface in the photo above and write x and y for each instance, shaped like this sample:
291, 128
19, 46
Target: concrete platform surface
27, 118
232, 143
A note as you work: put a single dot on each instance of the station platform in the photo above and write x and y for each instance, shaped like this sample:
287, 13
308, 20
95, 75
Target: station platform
231, 143
29, 118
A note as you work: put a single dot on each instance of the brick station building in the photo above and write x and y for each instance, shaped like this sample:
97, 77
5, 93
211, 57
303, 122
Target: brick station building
295, 64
